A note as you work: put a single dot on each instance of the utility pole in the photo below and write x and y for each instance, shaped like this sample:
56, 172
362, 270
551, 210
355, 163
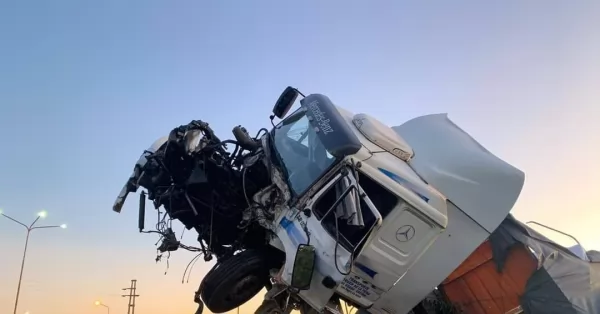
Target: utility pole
132, 296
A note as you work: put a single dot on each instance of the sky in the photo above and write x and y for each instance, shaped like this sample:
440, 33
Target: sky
86, 86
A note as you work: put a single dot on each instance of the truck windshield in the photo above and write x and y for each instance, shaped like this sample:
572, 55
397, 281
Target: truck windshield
301, 154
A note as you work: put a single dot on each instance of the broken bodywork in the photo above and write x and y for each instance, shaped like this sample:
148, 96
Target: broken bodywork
231, 198
325, 207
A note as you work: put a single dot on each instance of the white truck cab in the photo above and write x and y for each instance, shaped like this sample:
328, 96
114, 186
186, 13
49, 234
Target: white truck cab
410, 189
326, 206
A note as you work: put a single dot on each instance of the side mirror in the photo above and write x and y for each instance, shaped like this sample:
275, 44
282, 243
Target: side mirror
304, 267
285, 102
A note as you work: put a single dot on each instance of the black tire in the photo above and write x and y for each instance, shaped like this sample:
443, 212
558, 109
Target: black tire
234, 281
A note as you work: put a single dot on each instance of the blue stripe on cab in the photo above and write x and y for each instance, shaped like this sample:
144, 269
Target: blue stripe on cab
405, 183
368, 271
293, 232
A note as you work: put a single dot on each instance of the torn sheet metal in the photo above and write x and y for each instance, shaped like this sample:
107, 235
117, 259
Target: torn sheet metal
564, 283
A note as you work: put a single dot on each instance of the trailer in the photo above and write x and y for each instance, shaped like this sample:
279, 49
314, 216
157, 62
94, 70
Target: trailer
518, 270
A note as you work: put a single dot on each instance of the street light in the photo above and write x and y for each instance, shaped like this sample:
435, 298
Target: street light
98, 303
29, 228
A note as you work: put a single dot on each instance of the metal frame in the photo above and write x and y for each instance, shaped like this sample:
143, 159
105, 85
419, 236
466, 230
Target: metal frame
558, 231
354, 185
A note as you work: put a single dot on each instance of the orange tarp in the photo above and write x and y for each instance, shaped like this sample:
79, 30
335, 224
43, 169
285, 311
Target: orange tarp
478, 288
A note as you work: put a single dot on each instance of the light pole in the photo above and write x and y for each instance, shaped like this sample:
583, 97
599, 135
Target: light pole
98, 303
29, 228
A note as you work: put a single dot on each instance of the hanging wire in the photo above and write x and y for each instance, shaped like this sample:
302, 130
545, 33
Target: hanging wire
189, 267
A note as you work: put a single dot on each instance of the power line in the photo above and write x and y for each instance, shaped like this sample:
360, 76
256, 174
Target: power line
132, 296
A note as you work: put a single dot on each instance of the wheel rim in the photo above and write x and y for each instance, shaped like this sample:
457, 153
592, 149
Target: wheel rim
245, 289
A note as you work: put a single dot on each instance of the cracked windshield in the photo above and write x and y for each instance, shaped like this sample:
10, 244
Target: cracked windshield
303, 155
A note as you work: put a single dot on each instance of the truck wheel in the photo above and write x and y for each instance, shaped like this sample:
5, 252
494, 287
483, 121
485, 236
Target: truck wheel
234, 281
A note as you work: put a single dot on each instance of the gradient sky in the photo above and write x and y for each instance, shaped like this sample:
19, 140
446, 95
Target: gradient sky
85, 86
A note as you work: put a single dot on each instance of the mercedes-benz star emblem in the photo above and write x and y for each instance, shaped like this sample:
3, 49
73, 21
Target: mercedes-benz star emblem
405, 233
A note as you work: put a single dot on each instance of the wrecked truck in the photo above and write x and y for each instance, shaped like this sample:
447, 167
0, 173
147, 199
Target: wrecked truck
325, 207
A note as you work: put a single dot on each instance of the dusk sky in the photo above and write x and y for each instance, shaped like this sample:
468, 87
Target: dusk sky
86, 86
